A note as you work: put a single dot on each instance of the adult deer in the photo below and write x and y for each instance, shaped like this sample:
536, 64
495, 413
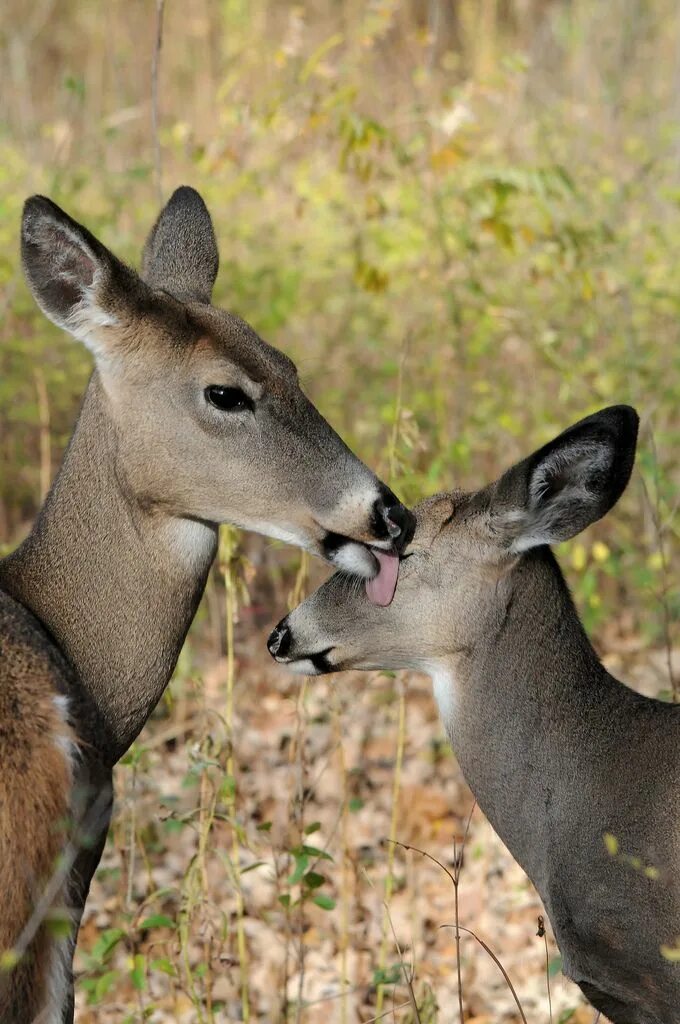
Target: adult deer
560, 755
189, 420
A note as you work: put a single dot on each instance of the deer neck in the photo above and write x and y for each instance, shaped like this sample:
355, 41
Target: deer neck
115, 583
525, 708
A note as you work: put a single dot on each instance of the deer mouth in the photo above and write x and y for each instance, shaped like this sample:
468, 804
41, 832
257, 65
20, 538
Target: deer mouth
281, 646
378, 566
316, 664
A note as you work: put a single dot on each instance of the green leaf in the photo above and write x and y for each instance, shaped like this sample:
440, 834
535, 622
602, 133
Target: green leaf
325, 902
387, 976
314, 827
138, 972
314, 851
103, 986
156, 921
251, 867
165, 966
313, 880
106, 943
301, 865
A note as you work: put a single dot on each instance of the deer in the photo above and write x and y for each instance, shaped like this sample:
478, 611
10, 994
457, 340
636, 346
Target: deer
189, 420
578, 774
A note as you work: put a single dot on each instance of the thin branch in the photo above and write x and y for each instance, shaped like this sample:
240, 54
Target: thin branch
155, 65
543, 935
495, 959
407, 978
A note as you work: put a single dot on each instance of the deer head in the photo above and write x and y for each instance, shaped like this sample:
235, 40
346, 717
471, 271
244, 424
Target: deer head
457, 575
211, 422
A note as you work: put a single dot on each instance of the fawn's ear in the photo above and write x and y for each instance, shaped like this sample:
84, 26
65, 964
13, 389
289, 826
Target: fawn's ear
75, 280
568, 484
180, 255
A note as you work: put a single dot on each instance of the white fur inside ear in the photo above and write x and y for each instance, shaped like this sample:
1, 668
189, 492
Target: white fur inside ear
87, 320
574, 463
557, 485
64, 257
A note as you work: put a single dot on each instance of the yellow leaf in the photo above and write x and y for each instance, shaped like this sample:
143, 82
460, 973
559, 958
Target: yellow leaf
655, 561
671, 953
611, 843
600, 551
446, 157
8, 960
579, 557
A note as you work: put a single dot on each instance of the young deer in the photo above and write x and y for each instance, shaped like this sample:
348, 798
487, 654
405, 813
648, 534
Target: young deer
189, 420
558, 753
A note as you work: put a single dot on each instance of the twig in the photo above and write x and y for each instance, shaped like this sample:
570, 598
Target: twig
396, 786
44, 425
228, 545
457, 868
455, 881
542, 935
155, 65
132, 839
495, 959
387, 1013
655, 509
408, 979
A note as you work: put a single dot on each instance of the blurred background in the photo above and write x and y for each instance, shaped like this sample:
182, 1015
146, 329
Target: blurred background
462, 219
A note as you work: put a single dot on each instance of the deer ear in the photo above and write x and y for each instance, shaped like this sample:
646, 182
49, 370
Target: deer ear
75, 280
180, 255
569, 483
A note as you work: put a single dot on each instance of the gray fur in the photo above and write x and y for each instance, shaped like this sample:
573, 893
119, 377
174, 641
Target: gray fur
181, 252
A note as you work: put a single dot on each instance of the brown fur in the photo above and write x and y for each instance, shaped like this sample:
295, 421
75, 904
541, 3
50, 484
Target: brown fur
35, 786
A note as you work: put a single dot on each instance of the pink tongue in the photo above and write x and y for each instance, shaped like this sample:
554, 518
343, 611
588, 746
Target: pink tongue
381, 589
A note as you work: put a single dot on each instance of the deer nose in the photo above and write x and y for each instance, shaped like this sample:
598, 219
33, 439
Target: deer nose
279, 640
392, 519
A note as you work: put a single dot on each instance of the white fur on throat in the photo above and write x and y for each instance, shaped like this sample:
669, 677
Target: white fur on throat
191, 540
444, 689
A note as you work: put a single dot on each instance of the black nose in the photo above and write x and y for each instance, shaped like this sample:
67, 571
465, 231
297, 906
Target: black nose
392, 519
279, 640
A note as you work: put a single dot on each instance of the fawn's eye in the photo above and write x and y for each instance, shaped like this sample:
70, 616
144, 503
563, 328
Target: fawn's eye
228, 399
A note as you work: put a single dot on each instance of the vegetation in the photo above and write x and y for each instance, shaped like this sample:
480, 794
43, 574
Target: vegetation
462, 219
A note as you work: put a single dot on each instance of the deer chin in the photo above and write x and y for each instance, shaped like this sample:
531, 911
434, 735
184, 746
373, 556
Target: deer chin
351, 556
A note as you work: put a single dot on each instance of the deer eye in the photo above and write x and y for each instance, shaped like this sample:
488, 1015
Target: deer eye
228, 399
